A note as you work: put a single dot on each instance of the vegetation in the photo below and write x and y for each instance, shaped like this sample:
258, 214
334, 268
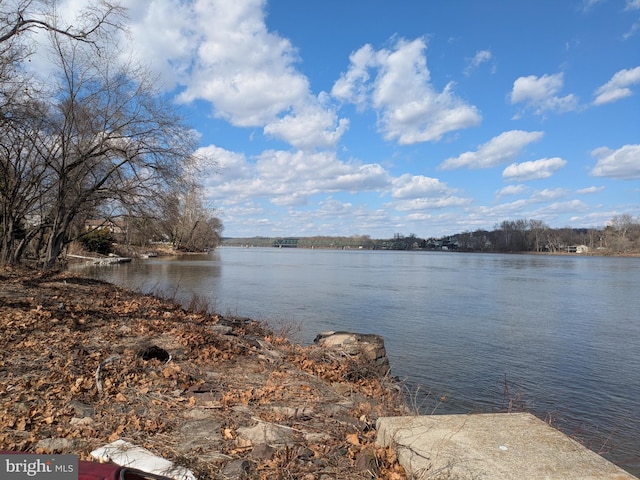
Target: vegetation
99, 241
621, 236
97, 141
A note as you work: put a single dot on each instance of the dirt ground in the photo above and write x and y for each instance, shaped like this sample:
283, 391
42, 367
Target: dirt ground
84, 363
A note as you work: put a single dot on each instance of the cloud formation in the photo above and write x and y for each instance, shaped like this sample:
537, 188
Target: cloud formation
480, 57
618, 86
540, 94
396, 83
499, 150
533, 170
222, 52
623, 163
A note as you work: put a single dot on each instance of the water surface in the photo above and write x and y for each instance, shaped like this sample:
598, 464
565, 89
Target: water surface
556, 335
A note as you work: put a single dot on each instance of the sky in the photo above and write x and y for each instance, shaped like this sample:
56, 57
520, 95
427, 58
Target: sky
377, 117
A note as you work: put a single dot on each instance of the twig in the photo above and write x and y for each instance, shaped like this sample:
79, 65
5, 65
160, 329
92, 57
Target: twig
111, 359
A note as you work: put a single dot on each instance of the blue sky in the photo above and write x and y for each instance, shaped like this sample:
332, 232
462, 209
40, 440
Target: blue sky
371, 117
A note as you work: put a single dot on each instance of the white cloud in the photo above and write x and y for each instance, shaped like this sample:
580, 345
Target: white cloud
165, 37
289, 178
562, 208
588, 4
541, 94
396, 83
497, 151
229, 165
623, 163
618, 86
633, 5
635, 27
415, 186
533, 170
480, 57
548, 194
431, 203
589, 190
222, 52
511, 190
311, 127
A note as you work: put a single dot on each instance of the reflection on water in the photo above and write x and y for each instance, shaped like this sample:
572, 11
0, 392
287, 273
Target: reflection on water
562, 332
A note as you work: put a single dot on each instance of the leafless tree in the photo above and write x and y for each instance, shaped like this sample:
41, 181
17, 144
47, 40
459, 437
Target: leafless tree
113, 140
101, 139
537, 229
622, 233
21, 16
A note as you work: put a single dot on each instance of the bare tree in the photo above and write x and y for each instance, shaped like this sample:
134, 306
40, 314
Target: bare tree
26, 179
537, 229
620, 233
186, 221
112, 139
21, 16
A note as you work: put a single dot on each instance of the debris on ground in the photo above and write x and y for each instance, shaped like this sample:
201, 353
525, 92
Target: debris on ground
84, 363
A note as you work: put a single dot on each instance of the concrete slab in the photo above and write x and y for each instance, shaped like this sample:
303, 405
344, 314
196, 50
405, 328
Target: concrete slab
490, 446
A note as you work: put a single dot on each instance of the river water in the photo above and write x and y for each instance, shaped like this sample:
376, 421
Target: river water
555, 335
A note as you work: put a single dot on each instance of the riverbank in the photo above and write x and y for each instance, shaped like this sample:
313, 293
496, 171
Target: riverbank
85, 363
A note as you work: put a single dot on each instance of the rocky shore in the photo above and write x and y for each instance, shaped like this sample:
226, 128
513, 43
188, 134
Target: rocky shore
85, 363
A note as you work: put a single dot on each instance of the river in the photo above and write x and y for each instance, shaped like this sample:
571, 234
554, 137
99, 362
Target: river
555, 335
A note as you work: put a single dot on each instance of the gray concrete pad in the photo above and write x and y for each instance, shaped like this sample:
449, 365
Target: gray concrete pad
490, 446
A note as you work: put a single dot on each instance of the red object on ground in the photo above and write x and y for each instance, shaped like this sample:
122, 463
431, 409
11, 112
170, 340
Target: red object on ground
107, 471
110, 471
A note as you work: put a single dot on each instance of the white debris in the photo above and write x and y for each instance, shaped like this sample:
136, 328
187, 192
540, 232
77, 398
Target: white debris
129, 455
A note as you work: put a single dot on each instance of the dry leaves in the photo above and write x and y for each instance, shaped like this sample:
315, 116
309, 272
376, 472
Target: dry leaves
56, 331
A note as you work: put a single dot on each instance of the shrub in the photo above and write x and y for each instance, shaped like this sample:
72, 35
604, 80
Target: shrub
99, 241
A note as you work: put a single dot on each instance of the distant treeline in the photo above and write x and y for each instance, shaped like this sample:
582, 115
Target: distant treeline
621, 236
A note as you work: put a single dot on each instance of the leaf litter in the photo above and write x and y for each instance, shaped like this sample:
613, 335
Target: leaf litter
84, 363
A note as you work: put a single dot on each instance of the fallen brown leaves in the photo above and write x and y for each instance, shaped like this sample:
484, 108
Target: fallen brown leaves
72, 368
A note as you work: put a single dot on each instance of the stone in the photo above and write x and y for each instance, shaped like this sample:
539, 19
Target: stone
268, 433
221, 329
237, 469
499, 446
366, 461
53, 445
364, 347
81, 409
305, 454
199, 432
81, 422
262, 451
196, 414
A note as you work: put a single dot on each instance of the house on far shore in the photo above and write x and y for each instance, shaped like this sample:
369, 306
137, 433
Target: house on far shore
577, 249
117, 228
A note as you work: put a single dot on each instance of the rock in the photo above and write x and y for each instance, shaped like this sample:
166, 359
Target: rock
81, 422
53, 445
199, 432
366, 348
263, 451
305, 454
221, 329
196, 414
204, 429
366, 462
265, 433
294, 412
237, 469
82, 409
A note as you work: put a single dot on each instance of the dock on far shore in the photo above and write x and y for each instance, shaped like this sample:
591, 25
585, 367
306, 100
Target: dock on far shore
104, 260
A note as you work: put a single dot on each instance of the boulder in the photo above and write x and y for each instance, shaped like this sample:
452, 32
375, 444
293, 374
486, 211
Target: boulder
364, 347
